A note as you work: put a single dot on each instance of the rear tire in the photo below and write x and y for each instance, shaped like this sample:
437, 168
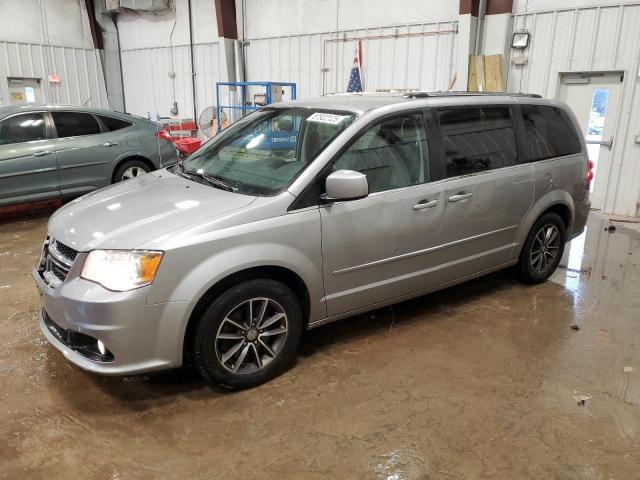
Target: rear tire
248, 335
130, 169
543, 249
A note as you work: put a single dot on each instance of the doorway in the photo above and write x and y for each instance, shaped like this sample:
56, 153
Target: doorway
595, 100
24, 90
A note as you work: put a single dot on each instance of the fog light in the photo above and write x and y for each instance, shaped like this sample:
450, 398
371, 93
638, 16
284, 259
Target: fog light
101, 348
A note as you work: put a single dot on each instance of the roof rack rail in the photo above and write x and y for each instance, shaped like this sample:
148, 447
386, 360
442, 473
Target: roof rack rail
469, 94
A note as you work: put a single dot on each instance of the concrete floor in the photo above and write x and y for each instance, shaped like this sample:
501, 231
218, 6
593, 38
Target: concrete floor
477, 381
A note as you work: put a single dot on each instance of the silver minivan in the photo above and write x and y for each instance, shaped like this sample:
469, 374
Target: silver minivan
303, 213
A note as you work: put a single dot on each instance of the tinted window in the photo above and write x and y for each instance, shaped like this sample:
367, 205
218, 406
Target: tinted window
72, 124
22, 128
549, 132
113, 123
477, 139
391, 154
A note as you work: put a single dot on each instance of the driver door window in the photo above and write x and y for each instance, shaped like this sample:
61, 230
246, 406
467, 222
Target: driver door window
392, 154
27, 127
383, 246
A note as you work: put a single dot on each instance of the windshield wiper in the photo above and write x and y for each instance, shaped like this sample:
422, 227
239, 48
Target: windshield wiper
181, 171
210, 179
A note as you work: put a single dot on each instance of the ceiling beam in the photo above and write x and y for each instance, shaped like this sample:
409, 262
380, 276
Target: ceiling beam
496, 7
226, 18
96, 32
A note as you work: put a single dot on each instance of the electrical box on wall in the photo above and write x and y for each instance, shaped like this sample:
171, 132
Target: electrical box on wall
154, 6
111, 5
276, 93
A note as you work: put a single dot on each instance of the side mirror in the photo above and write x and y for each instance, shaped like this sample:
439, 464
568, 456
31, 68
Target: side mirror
345, 185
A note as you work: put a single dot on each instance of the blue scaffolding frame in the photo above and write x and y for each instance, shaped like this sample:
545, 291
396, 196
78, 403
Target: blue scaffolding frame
243, 90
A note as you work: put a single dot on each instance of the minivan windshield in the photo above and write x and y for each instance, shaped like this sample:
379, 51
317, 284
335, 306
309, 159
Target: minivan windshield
263, 152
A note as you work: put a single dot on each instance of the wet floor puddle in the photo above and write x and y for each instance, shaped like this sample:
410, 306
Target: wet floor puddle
399, 465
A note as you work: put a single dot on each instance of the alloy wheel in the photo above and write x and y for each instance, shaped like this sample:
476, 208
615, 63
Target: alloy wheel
545, 248
251, 335
133, 172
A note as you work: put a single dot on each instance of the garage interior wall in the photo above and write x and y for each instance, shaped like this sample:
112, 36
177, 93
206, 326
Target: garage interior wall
591, 39
39, 38
407, 46
156, 59
414, 44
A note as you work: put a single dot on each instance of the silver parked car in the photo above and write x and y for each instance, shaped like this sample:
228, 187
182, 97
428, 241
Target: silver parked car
303, 213
53, 151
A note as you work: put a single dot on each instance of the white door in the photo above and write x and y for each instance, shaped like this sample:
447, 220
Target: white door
595, 99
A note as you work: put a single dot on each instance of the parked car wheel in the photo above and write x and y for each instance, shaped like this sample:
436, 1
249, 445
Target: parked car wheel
131, 169
543, 249
248, 334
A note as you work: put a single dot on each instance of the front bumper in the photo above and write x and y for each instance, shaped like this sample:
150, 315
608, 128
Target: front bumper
141, 337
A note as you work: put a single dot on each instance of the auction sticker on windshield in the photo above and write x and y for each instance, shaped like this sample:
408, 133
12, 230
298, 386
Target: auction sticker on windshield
327, 118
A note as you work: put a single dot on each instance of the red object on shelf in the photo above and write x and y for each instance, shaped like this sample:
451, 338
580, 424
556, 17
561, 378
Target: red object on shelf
188, 145
187, 125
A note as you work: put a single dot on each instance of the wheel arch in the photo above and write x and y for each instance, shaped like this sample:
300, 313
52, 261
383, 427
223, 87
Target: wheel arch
563, 211
557, 201
128, 158
273, 272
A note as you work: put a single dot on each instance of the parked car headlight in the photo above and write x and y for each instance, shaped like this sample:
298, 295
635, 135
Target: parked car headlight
121, 270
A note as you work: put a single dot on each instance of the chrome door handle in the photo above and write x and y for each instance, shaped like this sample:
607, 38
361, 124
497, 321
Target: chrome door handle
605, 143
425, 204
42, 153
460, 197
110, 144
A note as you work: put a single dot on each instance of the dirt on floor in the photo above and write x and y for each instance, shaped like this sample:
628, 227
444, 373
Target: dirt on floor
483, 380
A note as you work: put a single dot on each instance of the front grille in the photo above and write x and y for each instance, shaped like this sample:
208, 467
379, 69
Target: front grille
64, 253
56, 262
58, 270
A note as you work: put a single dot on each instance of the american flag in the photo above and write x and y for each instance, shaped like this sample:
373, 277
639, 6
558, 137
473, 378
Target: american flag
355, 79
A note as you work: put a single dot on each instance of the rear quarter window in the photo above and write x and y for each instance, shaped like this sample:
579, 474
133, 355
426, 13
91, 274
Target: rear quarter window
112, 123
549, 132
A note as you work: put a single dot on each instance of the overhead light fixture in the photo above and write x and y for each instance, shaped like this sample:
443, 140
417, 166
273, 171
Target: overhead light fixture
520, 40
577, 80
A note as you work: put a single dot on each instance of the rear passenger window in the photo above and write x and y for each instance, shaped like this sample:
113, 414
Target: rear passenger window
549, 132
477, 139
74, 124
392, 154
113, 123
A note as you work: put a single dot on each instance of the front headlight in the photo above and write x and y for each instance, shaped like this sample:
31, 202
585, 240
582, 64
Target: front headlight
121, 270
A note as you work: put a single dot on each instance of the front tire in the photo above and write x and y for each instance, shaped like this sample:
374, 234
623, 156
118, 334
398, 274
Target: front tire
248, 335
130, 170
543, 249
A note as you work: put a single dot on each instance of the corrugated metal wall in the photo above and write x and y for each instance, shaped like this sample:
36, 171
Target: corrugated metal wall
410, 56
80, 70
149, 89
584, 40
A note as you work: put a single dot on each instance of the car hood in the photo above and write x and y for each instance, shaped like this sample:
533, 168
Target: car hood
133, 212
